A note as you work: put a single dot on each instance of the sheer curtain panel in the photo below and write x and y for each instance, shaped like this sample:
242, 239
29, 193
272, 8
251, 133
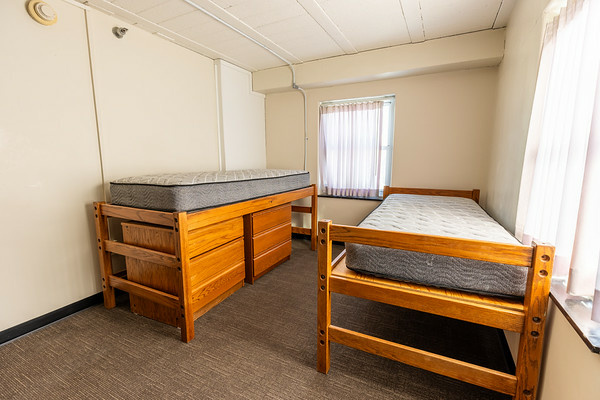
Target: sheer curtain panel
560, 189
350, 137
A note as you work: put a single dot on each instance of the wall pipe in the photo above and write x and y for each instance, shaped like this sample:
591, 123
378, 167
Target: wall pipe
289, 64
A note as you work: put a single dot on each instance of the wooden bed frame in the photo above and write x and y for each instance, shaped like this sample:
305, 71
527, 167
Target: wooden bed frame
526, 317
179, 240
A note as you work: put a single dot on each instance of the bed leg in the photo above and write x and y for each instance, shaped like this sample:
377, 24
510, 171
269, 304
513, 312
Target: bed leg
324, 298
101, 222
313, 219
532, 337
186, 316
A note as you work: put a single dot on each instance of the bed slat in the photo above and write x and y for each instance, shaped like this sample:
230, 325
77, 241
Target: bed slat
463, 248
138, 214
146, 292
141, 253
471, 373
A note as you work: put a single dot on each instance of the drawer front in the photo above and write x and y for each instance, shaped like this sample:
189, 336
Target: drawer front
271, 238
271, 257
216, 261
210, 237
212, 288
263, 220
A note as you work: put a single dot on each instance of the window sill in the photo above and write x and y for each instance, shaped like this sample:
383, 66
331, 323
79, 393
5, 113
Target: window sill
578, 312
329, 196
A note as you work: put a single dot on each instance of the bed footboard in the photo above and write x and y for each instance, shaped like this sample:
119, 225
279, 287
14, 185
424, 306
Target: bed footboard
526, 317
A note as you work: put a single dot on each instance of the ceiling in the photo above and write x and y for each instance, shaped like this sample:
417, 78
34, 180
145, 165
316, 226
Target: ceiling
303, 30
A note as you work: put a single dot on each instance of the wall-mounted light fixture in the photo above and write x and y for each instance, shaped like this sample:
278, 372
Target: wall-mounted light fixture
41, 12
119, 32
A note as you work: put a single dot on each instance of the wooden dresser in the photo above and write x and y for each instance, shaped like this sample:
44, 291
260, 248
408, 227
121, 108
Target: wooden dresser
217, 269
267, 236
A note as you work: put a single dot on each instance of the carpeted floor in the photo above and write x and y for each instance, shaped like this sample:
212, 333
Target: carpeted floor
260, 343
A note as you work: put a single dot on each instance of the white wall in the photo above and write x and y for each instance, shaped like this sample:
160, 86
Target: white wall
443, 125
242, 124
569, 369
156, 101
49, 164
157, 113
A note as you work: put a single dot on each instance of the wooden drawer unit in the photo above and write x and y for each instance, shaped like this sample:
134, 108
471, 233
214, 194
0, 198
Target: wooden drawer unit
216, 266
268, 236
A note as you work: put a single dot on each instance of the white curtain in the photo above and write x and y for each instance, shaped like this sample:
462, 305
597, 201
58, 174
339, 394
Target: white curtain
561, 173
350, 140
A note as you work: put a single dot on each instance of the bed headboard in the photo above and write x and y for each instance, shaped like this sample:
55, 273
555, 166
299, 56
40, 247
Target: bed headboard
469, 194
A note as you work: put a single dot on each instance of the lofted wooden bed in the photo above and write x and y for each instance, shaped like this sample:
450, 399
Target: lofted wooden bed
526, 316
181, 264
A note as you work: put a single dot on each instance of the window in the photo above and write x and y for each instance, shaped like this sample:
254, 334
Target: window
355, 146
560, 189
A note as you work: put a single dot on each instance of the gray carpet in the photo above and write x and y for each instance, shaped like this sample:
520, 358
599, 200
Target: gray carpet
260, 343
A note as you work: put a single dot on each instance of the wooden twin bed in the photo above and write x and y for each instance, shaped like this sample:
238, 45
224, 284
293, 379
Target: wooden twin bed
525, 315
180, 264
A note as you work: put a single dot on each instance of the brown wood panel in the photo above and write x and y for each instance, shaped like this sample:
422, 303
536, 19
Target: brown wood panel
203, 310
301, 231
271, 257
466, 372
144, 291
141, 253
271, 238
215, 261
488, 310
210, 237
186, 322
143, 271
531, 344
313, 218
207, 217
267, 219
138, 214
214, 287
102, 236
302, 209
463, 248
324, 297
469, 194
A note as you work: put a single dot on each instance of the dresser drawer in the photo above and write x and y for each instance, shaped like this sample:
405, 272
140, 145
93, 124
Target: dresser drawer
271, 238
264, 220
215, 262
272, 257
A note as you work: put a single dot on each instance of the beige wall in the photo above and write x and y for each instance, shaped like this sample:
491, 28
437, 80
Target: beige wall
569, 370
157, 112
442, 136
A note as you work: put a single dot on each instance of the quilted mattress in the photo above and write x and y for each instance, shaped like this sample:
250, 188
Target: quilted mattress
442, 216
198, 190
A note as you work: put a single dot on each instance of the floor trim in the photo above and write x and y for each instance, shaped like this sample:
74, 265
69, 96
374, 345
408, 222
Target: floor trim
46, 319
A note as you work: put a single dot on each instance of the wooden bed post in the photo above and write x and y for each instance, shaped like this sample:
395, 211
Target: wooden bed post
324, 297
313, 219
104, 256
186, 315
532, 337
386, 191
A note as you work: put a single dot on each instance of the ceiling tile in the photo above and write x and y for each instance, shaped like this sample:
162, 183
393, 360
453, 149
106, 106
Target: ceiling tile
452, 17
166, 11
368, 25
186, 21
136, 6
504, 14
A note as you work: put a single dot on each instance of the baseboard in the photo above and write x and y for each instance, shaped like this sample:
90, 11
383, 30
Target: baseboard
39, 322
